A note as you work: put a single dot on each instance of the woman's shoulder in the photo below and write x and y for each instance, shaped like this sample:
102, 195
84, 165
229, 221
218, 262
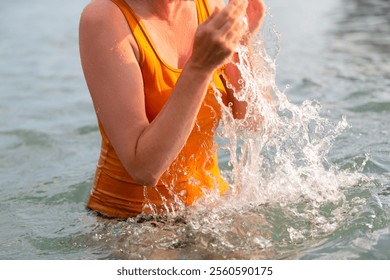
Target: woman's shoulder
101, 12
103, 23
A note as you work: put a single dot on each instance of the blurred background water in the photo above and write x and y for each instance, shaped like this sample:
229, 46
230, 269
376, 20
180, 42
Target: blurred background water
335, 51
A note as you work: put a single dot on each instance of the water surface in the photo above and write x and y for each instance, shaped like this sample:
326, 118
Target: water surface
335, 52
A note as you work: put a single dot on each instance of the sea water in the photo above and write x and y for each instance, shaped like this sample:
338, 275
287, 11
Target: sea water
309, 170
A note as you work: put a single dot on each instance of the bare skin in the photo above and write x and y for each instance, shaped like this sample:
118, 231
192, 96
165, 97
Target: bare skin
110, 60
255, 15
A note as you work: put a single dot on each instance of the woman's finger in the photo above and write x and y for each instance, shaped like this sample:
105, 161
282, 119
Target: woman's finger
231, 13
236, 32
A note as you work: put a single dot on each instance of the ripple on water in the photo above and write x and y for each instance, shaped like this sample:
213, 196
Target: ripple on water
27, 137
359, 94
87, 129
51, 194
376, 107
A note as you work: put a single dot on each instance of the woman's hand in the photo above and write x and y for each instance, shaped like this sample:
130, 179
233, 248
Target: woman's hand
217, 38
255, 14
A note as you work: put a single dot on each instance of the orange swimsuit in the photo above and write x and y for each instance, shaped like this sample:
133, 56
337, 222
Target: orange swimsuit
195, 170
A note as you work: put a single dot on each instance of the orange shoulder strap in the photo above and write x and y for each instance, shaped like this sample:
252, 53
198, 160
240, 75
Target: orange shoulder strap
203, 9
135, 26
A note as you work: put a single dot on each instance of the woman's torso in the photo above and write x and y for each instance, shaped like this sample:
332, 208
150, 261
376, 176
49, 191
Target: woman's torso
195, 170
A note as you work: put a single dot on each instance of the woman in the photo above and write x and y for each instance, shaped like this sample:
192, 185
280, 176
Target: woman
148, 66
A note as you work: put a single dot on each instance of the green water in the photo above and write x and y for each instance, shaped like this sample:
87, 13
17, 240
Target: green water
335, 52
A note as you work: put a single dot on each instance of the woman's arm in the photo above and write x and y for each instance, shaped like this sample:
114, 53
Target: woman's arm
109, 59
255, 15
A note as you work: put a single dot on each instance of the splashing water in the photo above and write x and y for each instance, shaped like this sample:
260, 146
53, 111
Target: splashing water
284, 191
277, 151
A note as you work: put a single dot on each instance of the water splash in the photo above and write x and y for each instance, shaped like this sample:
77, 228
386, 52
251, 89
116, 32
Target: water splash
277, 159
278, 150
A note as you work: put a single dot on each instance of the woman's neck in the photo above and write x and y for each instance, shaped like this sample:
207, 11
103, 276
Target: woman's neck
166, 10
171, 25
